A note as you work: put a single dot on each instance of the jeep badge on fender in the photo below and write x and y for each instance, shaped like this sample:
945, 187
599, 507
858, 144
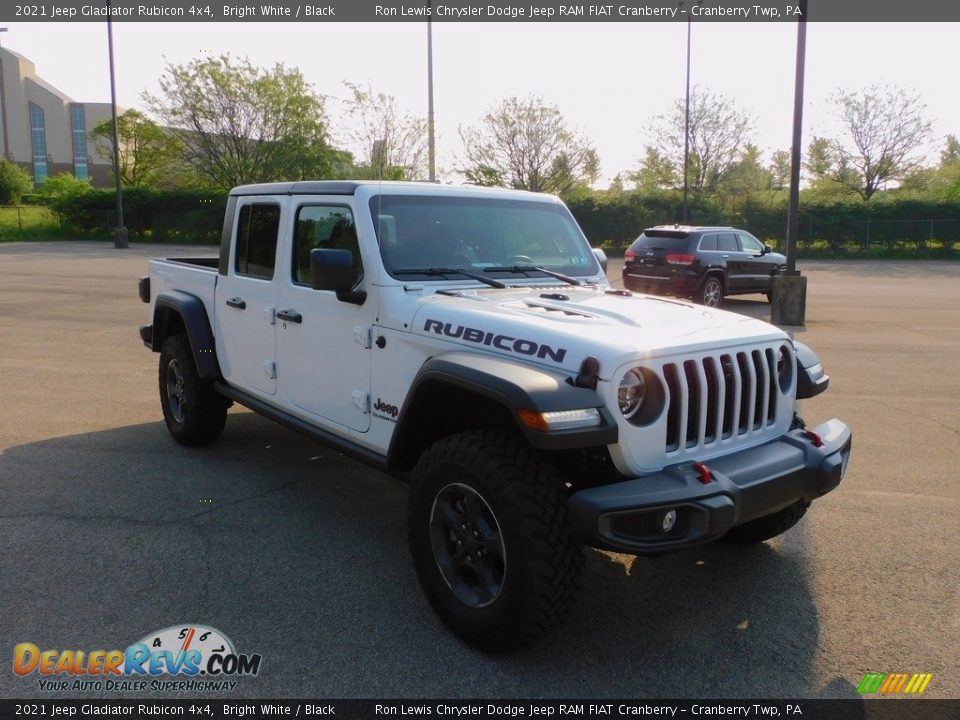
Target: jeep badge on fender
531, 409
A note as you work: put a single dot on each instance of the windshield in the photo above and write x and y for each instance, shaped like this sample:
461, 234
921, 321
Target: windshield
478, 235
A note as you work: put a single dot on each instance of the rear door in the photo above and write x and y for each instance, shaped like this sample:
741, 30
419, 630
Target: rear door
246, 297
324, 342
737, 270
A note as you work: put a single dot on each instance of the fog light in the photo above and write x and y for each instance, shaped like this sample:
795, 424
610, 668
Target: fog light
669, 520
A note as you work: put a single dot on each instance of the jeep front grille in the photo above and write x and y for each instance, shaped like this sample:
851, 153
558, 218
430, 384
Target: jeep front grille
720, 397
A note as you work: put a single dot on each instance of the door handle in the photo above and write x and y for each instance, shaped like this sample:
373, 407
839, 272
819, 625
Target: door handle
724, 256
289, 316
237, 302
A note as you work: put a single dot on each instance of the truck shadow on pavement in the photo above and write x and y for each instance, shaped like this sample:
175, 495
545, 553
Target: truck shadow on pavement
299, 554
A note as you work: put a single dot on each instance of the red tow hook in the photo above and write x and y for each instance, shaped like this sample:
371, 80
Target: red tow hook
813, 438
705, 473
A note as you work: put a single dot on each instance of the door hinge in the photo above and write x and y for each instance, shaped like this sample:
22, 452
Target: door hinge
270, 368
363, 336
361, 401
270, 314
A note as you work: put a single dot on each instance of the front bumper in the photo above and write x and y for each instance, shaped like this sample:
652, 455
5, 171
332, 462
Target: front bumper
626, 516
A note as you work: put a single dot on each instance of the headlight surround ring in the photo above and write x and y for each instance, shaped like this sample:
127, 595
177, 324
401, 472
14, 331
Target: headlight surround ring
631, 392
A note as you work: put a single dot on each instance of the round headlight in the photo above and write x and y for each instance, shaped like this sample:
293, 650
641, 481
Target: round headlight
784, 368
630, 393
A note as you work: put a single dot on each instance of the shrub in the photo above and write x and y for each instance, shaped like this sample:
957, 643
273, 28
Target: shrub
14, 182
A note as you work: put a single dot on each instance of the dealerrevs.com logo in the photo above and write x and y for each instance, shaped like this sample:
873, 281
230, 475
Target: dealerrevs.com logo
202, 656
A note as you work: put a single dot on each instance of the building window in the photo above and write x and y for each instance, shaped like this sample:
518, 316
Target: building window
78, 122
38, 137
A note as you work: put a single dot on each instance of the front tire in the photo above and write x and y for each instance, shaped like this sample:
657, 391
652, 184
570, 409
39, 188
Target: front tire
491, 540
194, 412
767, 527
711, 292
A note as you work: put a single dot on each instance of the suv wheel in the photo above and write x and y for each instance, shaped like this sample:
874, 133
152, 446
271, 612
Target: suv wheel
711, 292
491, 540
193, 410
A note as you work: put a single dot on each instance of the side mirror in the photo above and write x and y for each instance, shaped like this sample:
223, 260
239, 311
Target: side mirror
766, 249
333, 270
601, 257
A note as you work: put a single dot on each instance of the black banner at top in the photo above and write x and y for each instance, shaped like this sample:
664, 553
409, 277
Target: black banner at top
477, 11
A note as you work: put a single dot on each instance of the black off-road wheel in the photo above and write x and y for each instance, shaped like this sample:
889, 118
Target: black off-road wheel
491, 541
769, 526
194, 412
711, 292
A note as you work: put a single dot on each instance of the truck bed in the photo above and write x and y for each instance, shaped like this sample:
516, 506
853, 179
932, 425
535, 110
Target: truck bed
196, 276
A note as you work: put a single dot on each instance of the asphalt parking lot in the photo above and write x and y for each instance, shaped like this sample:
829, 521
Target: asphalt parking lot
109, 530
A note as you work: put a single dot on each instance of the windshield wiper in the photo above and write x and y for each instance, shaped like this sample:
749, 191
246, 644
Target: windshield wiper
451, 271
533, 268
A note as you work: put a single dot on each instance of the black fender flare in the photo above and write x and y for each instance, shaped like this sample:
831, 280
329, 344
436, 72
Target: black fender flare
512, 385
811, 379
191, 310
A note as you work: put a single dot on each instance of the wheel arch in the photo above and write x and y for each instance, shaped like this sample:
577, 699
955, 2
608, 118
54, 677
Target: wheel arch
457, 392
175, 312
717, 271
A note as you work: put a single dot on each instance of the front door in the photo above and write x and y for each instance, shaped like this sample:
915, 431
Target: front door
759, 268
323, 342
246, 298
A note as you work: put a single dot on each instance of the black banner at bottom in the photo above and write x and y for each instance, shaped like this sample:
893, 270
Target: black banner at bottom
855, 709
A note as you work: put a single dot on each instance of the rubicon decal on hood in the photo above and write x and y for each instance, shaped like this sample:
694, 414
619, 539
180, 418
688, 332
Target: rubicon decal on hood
501, 342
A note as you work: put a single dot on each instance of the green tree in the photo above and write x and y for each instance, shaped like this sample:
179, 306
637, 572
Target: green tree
746, 175
657, 172
827, 170
14, 182
63, 184
884, 129
946, 177
149, 155
527, 144
718, 132
779, 168
392, 144
241, 124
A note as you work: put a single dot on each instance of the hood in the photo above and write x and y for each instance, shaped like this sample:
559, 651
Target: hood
560, 325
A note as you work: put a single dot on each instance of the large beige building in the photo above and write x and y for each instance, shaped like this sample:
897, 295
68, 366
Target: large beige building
44, 131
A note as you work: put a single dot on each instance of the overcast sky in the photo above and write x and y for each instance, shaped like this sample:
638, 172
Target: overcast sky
609, 79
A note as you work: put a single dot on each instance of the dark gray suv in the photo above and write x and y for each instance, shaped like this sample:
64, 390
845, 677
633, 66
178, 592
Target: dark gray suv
703, 263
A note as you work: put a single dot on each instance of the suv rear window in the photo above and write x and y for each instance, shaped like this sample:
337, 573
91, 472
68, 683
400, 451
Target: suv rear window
662, 239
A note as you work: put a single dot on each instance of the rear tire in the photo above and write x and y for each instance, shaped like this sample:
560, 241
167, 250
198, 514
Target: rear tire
711, 292
491, 541
194, 412
769, 526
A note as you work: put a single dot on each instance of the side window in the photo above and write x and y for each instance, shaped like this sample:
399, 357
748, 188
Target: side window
257, 229
708, 242
323, 226
727, 242
750, 244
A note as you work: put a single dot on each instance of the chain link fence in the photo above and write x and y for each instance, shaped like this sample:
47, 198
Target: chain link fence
912, 237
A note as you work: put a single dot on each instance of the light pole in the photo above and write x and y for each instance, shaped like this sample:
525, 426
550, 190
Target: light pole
788, 301
3, 109
120, 238
431, 147
686, 120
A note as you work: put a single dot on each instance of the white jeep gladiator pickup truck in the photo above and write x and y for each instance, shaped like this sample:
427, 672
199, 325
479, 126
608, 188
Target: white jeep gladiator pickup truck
467, 340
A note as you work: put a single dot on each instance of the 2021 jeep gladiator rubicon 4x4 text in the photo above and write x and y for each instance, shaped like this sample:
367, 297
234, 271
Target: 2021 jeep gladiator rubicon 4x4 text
466, 339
